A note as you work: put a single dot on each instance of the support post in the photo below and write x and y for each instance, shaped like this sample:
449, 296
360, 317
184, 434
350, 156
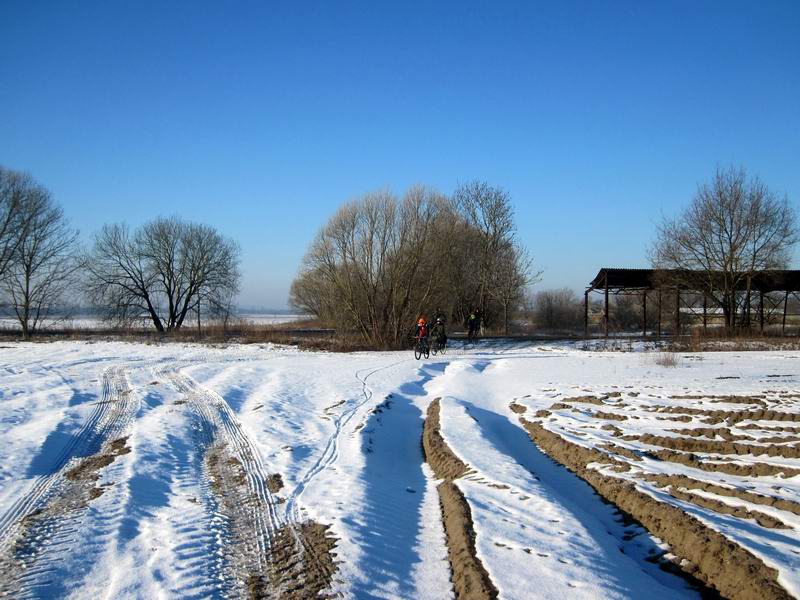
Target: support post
785, 306
605, 313
705, 313
586, 314
658, 330
644, 314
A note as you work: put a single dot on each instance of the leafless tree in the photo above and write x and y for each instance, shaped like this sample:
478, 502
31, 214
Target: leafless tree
15, 189
488, 211
733, 228
163, 270
512, 275
372, 266
556, 309
42, 266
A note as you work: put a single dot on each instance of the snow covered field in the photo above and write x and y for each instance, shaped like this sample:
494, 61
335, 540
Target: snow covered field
163, 471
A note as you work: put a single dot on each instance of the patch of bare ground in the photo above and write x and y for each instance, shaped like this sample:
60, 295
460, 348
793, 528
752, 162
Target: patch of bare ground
716, 447
621, 451
732, 417
751, 470
762, 519
470, 579
727, 435
588, 399
275, 483
707, 555
517, 408
720, 490
610, 416
301, 564
77, 490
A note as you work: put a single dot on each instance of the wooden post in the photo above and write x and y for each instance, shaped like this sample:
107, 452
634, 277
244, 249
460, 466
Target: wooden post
644, 314
761, 310
586, 314
785, 305
658, 329
677, 312
605, 317
705, 313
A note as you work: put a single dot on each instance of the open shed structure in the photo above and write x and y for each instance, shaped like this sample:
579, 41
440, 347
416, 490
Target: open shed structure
640, 282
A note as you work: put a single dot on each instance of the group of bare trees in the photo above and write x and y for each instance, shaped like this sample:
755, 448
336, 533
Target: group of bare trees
38, 258
734, 228
164, 271
381, 261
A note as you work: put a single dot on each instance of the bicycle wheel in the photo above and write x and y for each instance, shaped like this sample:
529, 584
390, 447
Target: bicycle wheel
417, 352
427, 351
443, 347
434, 348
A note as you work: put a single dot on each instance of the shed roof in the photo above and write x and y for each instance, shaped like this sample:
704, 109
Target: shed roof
639, 279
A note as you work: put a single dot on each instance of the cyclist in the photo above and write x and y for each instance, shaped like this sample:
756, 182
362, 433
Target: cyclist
439, 332
422, 330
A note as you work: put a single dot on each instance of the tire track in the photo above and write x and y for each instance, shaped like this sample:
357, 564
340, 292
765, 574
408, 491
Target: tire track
234, 471
43, 519
331, 451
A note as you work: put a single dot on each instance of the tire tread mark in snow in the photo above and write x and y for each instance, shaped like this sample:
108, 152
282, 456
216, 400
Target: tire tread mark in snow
110, 418
220, 429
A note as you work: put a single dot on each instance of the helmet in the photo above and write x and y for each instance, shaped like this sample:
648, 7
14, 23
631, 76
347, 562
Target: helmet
439, 320
421, 321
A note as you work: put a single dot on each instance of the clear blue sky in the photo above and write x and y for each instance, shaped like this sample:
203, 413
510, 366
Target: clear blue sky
261, 118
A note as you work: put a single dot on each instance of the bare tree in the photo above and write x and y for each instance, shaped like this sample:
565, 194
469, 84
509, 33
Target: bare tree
512, 275
733, 228
164, 270
556, 309
43, 263
372, 266
488, 210
15, 190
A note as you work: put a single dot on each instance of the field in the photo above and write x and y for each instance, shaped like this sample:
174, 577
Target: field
181, 470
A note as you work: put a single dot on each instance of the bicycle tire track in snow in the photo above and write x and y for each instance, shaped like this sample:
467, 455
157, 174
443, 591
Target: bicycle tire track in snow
43, 521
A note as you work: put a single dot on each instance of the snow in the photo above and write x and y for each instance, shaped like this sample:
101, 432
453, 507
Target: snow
343, 431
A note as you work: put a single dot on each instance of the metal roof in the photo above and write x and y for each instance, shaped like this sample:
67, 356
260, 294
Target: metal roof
639, 279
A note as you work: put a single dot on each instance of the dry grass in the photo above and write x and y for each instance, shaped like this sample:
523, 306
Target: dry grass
668, 359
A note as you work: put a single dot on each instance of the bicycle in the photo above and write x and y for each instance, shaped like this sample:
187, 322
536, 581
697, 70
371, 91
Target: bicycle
439, 345
422, 348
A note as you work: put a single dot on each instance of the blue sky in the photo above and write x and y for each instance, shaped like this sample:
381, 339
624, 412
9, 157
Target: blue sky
261, 118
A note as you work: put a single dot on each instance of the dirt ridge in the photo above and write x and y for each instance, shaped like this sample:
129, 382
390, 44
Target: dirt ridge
471, 581
712, 558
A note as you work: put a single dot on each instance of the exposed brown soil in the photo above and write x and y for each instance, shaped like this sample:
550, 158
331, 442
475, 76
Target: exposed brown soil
737, 511
301, 564
726, 434
588, 399
716, 447
87, 469
752, 470
77, 491
720, 490
275, 483
622, 451
610, 416
708, 555
732, 417
518, 408
470, 579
